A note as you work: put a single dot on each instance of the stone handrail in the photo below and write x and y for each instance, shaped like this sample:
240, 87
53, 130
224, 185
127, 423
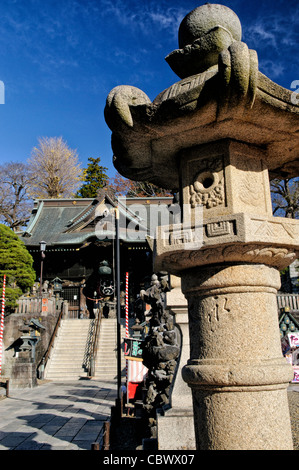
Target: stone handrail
45, 358
95, 342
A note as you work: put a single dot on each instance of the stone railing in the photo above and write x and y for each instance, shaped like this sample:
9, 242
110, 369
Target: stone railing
288, 300
36, 305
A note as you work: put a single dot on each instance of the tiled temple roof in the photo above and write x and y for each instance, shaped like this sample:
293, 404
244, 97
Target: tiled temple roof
73, 221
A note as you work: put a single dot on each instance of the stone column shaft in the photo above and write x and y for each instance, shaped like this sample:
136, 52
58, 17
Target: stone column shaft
236, 370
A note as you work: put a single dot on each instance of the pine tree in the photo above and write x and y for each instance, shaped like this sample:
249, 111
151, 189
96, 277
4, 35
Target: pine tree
95, 178
16, 262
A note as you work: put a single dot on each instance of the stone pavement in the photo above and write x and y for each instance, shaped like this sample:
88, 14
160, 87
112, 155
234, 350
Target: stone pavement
71, 415
293, 398
56, 416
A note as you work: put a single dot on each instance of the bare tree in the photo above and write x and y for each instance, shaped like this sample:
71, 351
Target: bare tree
15, 204
125, 187
54, 168
285, 197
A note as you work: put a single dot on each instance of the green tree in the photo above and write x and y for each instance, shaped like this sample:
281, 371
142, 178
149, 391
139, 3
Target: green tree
16, 262
94, 178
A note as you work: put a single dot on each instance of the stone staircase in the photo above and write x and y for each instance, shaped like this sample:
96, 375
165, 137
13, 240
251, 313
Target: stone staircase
69, 359
106, 360
69, 356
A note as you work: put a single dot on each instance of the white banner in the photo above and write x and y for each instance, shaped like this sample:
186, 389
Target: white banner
137, 372
293, 339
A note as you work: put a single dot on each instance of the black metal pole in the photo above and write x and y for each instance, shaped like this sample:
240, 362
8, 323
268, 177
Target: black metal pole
42, 256
41, 274
118, 304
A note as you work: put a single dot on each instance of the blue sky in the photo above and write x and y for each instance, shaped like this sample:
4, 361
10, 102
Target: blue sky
60, 59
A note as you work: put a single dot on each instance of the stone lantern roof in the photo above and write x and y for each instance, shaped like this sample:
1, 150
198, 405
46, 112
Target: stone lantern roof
222, 95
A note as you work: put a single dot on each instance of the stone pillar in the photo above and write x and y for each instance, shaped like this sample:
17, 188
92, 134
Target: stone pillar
176, 304
236, 370
23, 373
175, 426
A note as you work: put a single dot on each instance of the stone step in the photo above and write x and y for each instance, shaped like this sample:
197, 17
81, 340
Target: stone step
58, 378
68, 351
106, 361
67, 373
72, 343
68, 368
76, 358
70, 348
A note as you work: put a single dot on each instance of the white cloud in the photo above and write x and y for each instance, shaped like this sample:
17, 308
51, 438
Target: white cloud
274, 30
271, 68
143, 16
258, 33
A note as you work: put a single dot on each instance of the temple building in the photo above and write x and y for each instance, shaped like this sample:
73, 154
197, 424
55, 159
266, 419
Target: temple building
80, 256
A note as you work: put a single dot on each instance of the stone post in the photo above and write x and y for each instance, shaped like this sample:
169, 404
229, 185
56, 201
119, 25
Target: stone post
175, 428
215, 137
236, 371
176, 304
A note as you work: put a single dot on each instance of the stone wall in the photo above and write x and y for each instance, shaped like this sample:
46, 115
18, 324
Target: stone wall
19, 369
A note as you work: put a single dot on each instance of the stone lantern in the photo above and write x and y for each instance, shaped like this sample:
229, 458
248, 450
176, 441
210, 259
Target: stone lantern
215, 136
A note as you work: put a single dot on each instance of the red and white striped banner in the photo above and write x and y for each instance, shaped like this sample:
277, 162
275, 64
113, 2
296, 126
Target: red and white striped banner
127, 305
2, 320
127, 315
137, 372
